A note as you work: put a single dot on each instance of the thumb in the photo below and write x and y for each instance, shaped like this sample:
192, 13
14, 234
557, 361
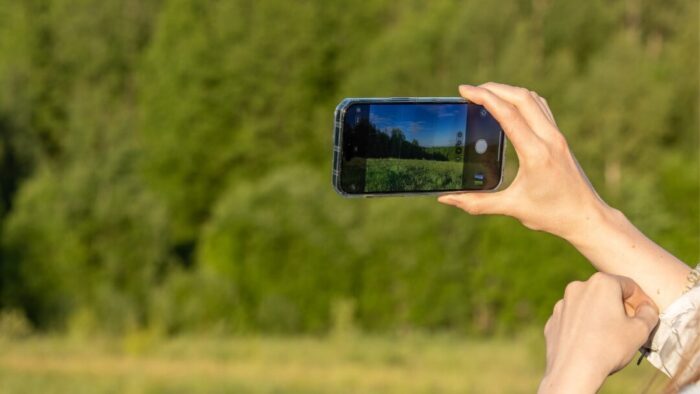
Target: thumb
477, 203
648, 315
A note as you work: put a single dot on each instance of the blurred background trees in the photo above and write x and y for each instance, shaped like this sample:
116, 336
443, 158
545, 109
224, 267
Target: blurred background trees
167, 163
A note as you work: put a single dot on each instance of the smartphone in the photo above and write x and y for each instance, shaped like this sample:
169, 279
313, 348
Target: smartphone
415, 145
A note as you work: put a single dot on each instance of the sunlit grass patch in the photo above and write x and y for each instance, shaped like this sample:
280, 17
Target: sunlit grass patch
353, 364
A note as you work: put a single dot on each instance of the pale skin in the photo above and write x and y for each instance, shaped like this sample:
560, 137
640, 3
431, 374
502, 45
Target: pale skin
589, 334
551, 193
594, 331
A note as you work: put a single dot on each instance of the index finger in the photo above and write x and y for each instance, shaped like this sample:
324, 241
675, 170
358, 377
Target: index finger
511, 120
528, 105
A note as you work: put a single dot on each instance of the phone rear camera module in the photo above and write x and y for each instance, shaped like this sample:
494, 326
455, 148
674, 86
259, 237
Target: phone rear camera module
481, 146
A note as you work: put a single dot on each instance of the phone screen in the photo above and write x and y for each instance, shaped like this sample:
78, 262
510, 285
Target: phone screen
420, 147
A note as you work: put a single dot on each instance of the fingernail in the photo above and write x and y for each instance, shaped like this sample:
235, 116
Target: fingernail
651, 309
648, 305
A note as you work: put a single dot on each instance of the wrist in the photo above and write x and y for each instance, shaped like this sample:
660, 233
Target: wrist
572, 380
596, 220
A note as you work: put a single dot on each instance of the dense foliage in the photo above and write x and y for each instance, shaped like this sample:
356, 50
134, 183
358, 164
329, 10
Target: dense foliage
166, 164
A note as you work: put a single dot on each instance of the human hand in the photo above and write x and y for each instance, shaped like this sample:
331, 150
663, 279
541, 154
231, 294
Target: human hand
550, 191
594, 331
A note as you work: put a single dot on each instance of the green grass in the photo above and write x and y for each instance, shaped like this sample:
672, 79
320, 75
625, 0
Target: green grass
448, 151
402, 364
412, 175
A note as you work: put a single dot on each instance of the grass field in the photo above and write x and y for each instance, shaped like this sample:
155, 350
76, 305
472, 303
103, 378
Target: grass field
405, 174
349, 364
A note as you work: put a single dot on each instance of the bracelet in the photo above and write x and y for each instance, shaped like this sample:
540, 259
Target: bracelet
693, 277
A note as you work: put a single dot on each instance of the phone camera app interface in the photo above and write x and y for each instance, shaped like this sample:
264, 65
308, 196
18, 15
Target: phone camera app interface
406, 147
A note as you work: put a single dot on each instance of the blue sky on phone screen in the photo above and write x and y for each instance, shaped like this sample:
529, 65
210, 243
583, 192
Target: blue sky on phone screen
429, 124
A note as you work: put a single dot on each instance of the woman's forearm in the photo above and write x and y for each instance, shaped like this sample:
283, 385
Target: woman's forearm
615, 246
551, 193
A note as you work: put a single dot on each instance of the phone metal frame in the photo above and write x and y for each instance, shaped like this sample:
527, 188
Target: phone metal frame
339, 117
